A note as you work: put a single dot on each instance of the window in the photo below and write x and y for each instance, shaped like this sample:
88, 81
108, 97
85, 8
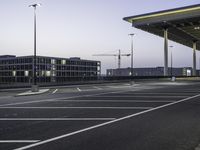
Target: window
53, 61
26, 73
63, 62
48, 73
14, 73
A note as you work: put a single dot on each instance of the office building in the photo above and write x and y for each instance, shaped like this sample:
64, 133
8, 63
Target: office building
158, 71
48, 69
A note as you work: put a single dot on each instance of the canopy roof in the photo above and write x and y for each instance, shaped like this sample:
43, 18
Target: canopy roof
183, 24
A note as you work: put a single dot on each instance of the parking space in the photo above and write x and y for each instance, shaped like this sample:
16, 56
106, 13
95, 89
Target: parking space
87, 88
26, 125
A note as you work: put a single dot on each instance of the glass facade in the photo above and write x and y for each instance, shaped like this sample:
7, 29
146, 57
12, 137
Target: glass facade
48, 69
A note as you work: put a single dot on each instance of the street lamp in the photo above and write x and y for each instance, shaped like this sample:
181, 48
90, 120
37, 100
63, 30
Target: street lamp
132, 34
34, 85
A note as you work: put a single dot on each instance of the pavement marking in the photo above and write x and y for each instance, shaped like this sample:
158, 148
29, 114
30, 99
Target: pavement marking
120, 86
104, 124
118, 101
47, 100
19, 141
127, 84
79, 89
55, 119
159, 93
29, 102
152, 96
54, 91
98, 88
3, 97
75, 107
86, 90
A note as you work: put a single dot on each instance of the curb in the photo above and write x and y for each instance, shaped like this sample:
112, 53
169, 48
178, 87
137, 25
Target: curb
29, 93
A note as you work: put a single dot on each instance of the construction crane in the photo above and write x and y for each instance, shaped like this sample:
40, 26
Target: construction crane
118, 55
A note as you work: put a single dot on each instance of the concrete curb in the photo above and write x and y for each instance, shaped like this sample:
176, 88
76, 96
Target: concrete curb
28, 93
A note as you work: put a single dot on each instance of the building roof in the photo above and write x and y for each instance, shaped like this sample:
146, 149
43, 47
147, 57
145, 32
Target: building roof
5, 57
183, 24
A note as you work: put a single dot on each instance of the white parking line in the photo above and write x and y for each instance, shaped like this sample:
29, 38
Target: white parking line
86, 90
127, 84
117, 101
75, 107
29, 102
119, 86
104, 124
19, 141
152, 96
79, 89
98, 88
55, 119
47, 100
159, 93
5, 97
54, 91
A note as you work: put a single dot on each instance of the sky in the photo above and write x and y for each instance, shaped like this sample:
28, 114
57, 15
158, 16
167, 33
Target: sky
82, 28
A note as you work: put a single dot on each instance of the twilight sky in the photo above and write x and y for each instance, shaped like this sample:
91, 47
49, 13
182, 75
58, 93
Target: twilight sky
81, 28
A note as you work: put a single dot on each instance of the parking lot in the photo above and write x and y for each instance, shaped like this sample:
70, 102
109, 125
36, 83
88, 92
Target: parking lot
155, 115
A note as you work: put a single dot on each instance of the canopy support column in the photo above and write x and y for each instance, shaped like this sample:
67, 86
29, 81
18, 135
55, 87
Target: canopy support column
194, 58
165, 52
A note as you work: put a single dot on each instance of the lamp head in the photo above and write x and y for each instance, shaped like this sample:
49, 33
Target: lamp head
35, 5
132, 34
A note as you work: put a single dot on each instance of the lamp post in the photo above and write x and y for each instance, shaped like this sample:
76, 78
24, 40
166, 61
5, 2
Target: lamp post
132, 34
34, 85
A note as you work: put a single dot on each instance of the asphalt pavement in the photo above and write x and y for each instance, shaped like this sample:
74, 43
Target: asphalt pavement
143, 116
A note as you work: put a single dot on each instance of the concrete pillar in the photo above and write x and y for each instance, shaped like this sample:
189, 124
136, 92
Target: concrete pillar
165, 52
194, 58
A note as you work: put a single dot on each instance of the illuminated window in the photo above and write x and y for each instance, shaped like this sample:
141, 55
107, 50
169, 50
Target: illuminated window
189, 72
53, 73
53, 61
43, 73
26, 73
48, 73
63, 62
14, 73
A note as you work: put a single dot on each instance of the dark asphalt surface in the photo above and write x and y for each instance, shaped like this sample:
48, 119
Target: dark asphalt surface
175, 127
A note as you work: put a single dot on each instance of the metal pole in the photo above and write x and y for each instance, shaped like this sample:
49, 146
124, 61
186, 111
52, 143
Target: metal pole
34, 85
171, 61
171, 64
34, 74
194, 58
165, 52
119, 59
131, 53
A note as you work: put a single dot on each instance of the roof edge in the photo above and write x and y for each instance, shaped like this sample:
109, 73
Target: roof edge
162, 11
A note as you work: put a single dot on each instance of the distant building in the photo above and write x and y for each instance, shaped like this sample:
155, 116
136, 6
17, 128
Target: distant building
49, 69
158, 71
